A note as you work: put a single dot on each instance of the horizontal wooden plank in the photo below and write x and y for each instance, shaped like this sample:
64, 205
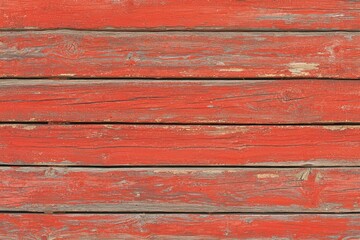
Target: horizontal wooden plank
178, 226
280, 101
179, 145
179, 54
184, 14
179, 189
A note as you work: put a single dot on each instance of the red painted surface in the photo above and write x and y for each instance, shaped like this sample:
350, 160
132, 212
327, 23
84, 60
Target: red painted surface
158, 226
184, 14
204, 101
169, 168
179, 190
179, 145
180, 54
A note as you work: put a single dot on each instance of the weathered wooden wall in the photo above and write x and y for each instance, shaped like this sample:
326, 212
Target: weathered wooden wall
207, 119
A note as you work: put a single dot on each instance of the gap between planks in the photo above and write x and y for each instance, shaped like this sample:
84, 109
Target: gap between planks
180, 167
345, 213
61, 123
179, 79
200, 30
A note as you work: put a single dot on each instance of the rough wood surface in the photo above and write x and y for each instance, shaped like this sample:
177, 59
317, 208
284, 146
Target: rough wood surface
280, 101
138, 145
179, 190
179, 54
184, 14
127, 158
179, 226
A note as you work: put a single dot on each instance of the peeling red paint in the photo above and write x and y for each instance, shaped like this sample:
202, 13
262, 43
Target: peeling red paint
180, 54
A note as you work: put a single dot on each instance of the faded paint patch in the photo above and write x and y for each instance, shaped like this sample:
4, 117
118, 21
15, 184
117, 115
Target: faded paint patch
287, 18
301, 68
227, 130
267, 175
10, 53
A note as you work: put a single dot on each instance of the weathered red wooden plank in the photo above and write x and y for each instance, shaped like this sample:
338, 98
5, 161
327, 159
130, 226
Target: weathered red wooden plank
180, 145
293, 101
165, 226
184, 14
179, 189
179, 54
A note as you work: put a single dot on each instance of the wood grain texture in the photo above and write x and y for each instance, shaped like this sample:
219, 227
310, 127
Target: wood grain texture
179, 190
179, 226
269, 102
184, 14
179, 54
139, 145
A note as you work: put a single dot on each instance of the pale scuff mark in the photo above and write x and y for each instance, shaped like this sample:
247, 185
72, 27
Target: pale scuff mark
271, 75
67, 75
25, 127
267, 175
304, 175
331, 51
285, 17
318, 177
339, 128
227, 130
301, 68
130, 3
231, 70
29, 127
53, 172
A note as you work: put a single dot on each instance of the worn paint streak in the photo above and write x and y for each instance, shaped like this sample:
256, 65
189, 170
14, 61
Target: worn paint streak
302, 69
179, 145
179, 54
184, 14
205, 101
184, 190
178, 226
267, 175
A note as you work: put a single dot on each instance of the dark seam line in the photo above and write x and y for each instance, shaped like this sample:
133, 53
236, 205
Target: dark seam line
195, 167
61, 123
173, 29
184, 79
173, 78
177, 213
